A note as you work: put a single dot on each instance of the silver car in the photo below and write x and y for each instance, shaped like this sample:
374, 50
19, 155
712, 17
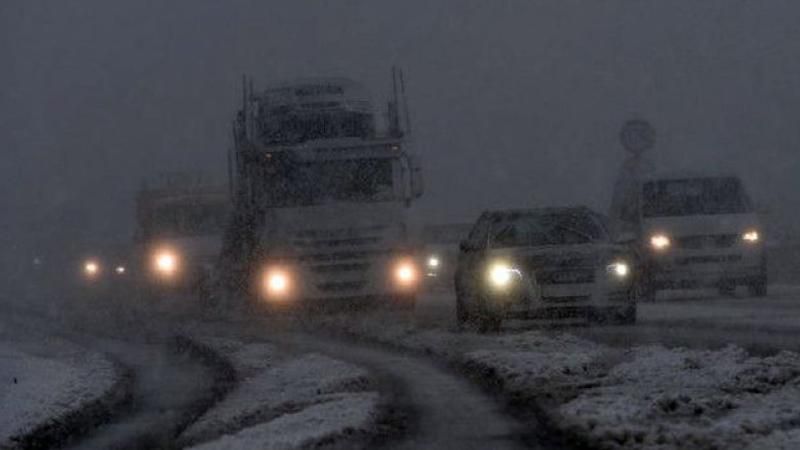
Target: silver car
544, 263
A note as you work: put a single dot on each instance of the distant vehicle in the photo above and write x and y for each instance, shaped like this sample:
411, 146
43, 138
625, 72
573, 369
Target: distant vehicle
549, 263
321, 198
441, 252
180, 221
695, 231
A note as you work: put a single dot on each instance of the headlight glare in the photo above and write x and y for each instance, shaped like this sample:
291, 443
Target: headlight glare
405, 273
277, 283
619, 269
751, 236
660, 241
502, 274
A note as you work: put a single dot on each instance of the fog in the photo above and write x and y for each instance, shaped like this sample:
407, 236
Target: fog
513, 103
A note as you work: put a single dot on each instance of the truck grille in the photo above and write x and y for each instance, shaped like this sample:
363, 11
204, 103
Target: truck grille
707, 241
340, 268
341, 286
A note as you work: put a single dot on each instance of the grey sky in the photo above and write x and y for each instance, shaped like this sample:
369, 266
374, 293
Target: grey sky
513, 103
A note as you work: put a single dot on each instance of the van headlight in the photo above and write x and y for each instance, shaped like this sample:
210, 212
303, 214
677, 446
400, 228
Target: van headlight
502, 274
619, 270
751, 236
660, 241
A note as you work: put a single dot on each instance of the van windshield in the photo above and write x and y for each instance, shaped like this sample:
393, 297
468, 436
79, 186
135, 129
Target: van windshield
695, 196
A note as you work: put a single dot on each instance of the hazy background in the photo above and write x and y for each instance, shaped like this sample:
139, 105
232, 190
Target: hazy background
513, 103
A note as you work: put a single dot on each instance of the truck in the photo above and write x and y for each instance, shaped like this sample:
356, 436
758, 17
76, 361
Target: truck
321, 196
180, 220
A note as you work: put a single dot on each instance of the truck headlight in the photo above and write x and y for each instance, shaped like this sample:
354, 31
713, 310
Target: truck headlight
660, 241
166, 262
277, 283
751, 236
619, 269
502, 274
405, 273
91, 268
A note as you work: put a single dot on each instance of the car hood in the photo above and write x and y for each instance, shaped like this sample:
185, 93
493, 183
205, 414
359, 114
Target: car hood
554, 257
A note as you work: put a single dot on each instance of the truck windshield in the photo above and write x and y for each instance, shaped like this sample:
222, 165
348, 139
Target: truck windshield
319, 182
192, 219
695, 196
289, 127
538, 229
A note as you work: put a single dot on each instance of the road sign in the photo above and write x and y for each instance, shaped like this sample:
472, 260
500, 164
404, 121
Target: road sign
637, 135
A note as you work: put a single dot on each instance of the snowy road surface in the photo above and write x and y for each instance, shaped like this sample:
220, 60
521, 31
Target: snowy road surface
700, 319
448, 412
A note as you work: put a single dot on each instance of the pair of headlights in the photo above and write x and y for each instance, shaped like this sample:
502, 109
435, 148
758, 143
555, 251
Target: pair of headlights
280, 282
92, 269
662, 242
501, 275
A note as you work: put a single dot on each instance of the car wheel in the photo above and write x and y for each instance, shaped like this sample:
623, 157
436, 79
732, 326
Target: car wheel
463, 315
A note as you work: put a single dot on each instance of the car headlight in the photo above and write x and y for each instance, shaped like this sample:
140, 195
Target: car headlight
434, 262
277, 283
619, 269
751, 236
660, 241
166, 262
120, 270
502, 274
405, 273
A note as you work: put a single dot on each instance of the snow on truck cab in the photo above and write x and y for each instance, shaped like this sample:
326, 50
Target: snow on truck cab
696, 231
321, 198
180, 222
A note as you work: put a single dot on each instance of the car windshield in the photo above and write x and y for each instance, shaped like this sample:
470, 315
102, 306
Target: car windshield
535, 229
312, 183
694, 196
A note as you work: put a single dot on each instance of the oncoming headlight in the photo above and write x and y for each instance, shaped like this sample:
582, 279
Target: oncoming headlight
166, 262
660, 241
434, 262
751, 236
91, 268
405, 273
619, 269
502, 274
276, 283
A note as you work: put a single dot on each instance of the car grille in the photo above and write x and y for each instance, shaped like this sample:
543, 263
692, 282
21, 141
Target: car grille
340, 268
568, 276
341, 286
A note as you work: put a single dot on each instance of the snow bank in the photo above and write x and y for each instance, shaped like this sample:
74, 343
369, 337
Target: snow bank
338, 417
679, 398
35, 389
277, 392
647, 397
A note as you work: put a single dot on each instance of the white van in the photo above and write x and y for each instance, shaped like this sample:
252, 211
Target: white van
694, 231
